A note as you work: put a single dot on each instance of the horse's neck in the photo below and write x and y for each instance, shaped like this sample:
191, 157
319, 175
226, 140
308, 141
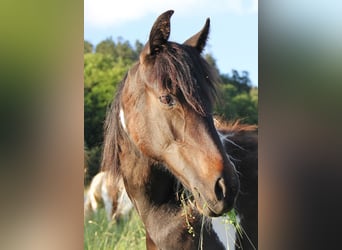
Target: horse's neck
148, 185
171, 229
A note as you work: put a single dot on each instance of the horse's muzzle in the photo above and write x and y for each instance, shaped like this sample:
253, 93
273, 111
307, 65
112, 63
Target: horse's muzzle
226, 195
224, 200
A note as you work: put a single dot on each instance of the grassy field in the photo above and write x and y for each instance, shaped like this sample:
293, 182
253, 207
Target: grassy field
129, 234
99, 234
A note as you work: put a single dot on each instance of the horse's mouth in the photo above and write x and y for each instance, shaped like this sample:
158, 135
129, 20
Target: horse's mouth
207, 207
207, 211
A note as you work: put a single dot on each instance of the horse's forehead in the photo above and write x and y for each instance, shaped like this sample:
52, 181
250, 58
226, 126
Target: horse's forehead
141, 72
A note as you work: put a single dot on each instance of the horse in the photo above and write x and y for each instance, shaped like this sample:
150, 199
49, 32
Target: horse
113, 197
161, 140
241, 145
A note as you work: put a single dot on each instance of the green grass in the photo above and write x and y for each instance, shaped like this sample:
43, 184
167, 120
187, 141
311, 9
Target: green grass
99, 234
127, 234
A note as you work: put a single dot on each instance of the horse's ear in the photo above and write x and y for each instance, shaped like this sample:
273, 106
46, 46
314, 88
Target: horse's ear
200, 39
159, 34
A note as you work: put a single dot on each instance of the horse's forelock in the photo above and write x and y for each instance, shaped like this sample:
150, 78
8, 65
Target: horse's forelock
180, 69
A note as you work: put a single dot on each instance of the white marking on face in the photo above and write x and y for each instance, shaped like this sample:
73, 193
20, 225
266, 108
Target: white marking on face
122, 119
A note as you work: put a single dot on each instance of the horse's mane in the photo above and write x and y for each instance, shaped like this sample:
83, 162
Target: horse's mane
233, 126
238, 139
113, 134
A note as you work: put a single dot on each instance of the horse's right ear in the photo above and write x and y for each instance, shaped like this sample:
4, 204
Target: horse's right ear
159, 35
199, 40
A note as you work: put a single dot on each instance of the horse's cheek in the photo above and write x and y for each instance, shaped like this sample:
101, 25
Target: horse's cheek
136, 134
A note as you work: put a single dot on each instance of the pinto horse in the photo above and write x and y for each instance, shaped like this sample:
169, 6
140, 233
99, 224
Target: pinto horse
161, 140
113, 197
241, 144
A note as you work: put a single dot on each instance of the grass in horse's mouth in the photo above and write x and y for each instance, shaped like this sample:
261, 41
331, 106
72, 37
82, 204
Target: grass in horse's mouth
231, 218
188, 205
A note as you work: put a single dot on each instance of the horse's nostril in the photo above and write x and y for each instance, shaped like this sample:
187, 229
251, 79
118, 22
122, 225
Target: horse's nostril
220, 189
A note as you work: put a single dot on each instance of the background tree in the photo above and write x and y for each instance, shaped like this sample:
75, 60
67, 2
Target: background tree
103, 71
138, 47
241, 82
106, 47
125, 52
88, 47
238, 100
102, 74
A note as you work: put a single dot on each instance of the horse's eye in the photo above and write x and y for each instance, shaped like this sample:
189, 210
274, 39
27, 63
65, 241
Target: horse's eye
167, 100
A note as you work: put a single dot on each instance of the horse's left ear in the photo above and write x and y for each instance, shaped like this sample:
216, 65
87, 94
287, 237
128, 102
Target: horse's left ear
159, 35
160, 32
200, 39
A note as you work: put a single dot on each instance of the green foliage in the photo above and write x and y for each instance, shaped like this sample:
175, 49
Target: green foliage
241, 82
121, 235
138, 47
93, 159
102, 74
125, 51
238, 100
88, 47
245, 108
121, 50
106, 47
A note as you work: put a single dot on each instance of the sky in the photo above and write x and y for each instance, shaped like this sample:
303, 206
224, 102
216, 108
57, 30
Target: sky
233, 39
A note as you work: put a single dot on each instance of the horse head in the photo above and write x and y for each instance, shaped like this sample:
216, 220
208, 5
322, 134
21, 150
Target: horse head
166, 110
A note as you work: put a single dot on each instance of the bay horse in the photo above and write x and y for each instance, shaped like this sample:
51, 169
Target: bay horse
241, 145
161, 140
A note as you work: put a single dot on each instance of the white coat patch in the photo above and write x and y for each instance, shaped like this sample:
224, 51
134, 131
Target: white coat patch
225, 232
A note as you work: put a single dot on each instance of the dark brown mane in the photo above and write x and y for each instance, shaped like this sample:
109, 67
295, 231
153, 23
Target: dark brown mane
113, 137
240, 140
180, 70
233, 126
